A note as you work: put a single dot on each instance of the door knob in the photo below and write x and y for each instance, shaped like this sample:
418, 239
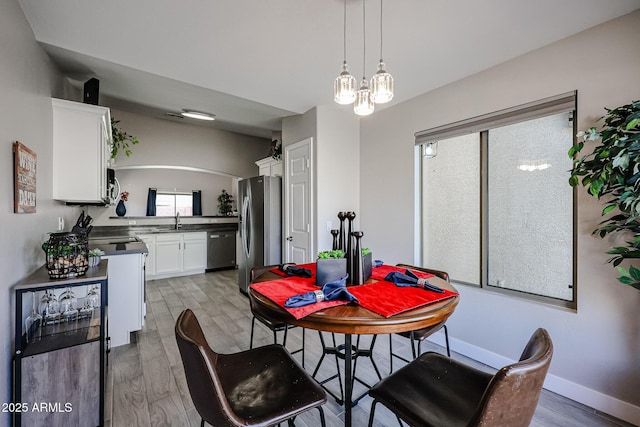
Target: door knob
289, 239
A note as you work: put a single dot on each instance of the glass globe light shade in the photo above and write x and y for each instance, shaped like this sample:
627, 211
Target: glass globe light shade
363, 105
381, 85
344, 87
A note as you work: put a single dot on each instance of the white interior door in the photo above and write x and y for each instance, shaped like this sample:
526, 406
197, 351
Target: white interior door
298, 199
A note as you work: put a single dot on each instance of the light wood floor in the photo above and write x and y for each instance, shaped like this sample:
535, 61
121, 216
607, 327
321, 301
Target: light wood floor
146, 384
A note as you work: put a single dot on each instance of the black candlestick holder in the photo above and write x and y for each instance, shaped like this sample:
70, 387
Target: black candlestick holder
342, 216
334, 233
350, 216
357, 261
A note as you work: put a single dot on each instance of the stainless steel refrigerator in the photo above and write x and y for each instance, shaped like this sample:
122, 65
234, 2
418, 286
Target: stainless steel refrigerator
259, 225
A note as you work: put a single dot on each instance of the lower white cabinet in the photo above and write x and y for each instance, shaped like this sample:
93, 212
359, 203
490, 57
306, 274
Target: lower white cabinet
194, 253
126, 296
175, 254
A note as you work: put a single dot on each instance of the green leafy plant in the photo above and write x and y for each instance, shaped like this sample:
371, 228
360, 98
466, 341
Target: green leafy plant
96, 252
121, 140
225, 201
613, 170
331, 254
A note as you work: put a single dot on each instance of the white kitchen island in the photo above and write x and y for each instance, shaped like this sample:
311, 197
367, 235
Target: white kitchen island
126, 304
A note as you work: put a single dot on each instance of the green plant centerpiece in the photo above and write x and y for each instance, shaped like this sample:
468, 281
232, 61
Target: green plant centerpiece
612, 170
225, 203
121, 140
367, 263
330, 266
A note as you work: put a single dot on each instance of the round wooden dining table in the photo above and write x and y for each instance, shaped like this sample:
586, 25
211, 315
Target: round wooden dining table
354, 320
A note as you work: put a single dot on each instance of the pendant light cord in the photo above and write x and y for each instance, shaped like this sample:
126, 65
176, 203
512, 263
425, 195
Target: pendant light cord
380, 30
364, 41
344, 35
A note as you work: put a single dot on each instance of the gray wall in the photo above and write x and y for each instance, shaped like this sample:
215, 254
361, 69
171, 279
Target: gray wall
169, 143
28, 80
596, 348
337, 162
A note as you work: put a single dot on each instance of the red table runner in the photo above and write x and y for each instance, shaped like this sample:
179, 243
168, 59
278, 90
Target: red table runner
387, 299
383, 298
280, 290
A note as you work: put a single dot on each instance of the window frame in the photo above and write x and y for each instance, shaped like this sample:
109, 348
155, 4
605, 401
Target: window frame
562, 103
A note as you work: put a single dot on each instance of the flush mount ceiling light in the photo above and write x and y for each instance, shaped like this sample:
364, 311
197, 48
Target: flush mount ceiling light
379, 90
198, 115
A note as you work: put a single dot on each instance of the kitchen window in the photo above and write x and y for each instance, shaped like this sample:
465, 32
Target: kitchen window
496, 207
172, 203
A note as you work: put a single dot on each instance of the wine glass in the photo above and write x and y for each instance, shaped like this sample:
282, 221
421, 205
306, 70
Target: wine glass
49, 308
33, 322
91, 300
68, 304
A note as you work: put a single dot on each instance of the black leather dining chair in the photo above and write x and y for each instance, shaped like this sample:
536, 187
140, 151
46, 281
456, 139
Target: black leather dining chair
260, 387
273, 325
420, 335
437, 391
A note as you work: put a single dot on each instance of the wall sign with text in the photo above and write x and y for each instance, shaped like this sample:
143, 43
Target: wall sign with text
24, 181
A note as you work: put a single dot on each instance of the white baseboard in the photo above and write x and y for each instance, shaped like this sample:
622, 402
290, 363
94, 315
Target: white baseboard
599, 401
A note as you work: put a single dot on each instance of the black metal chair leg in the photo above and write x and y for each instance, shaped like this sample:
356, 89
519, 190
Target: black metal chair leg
322, 421
284, 339
446, 338
390, 353
373, 411
253, 324
202, 422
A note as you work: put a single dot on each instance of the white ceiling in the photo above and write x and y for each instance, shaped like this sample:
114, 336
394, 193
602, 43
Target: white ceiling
252, 62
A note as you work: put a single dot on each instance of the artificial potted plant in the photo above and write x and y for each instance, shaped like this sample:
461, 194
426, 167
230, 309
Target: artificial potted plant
367, 262
225, 200
613, 170
330, 266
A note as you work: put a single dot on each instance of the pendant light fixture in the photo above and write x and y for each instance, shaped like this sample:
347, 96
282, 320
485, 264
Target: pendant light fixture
344, 86
363, 105
381, 82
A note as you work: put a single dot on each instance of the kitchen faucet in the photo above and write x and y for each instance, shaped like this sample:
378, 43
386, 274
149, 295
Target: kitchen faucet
178, 224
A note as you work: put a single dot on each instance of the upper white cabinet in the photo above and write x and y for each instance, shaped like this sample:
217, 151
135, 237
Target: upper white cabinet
269, 167
81, 138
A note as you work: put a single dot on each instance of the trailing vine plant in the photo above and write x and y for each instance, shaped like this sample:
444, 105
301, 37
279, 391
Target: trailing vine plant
612, 171
121, 140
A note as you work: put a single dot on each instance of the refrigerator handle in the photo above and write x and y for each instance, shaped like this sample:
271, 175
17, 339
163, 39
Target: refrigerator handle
245, 227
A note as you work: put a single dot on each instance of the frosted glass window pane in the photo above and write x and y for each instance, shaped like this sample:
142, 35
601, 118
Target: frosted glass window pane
530, 207
451, 208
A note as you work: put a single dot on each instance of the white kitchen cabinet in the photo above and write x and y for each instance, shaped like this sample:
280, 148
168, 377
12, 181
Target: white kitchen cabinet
81, 151
194, 255
168, 254
126, 296
150, 241
176, 254
269, 167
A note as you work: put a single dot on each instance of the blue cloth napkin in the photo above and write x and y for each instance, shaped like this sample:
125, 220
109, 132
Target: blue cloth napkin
377, 262
409, 279
293, 270
336, 290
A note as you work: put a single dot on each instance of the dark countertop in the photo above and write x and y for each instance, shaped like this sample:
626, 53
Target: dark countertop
112, 247
124, 231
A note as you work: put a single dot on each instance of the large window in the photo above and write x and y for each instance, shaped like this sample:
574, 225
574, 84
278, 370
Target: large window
497, 209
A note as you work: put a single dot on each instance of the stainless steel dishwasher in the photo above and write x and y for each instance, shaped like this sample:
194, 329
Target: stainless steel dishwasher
221, 249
